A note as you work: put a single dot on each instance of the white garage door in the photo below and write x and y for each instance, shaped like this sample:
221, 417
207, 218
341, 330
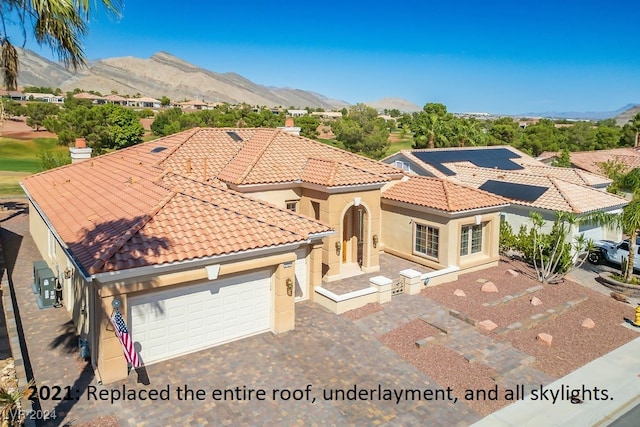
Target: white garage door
175, 322
591, 231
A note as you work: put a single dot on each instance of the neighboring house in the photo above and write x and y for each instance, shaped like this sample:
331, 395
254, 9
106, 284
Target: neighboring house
527, 183
14, 95
144, 102
95, 99
297, 113
44, 97
212, 235
592, 160
327, 114
116, 99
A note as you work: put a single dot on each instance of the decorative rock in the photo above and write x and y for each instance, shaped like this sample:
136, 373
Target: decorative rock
535, 301
459, 293
512, 272
487, 325
619, 297
545, 339
588, 323
489, 287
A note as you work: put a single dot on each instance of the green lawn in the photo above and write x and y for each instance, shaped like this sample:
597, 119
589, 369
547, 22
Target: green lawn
398, 142
22, 156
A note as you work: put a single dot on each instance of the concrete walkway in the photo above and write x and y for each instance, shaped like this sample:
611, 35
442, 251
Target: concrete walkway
613, 382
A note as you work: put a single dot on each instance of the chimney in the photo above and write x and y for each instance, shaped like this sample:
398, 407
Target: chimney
289, 127
80, 152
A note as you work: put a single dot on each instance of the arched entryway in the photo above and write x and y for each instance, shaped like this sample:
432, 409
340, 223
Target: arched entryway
354, 232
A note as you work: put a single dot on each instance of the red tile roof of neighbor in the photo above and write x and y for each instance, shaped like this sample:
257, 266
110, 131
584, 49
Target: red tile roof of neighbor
441, 194
591, 160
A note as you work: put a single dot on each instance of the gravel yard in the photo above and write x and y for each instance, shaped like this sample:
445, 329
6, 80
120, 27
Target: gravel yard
573, 345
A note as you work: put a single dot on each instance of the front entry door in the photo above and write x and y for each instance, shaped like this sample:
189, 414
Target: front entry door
353, 231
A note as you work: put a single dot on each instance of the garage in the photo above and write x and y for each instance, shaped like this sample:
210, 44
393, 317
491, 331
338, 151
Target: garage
591, 231
174, 322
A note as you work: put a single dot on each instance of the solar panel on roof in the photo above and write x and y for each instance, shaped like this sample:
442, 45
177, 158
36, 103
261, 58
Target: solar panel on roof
234, 136
158, 149
500, 158
511, 190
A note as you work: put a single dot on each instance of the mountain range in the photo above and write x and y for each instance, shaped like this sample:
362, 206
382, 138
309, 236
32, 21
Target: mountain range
166, 75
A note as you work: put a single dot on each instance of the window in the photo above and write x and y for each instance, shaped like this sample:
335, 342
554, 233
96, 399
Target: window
402, 165
292, 205
426, 240
471, 239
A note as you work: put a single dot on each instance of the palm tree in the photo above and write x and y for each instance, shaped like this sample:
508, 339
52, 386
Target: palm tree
59, 24
630, 223
9, 404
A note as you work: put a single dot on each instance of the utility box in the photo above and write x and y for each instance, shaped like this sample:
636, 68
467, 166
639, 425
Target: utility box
37, 267
47, 287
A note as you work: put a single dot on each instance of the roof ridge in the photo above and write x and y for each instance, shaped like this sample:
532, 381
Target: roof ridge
556, 182
250, 165
192, 132
447, 197
102, 259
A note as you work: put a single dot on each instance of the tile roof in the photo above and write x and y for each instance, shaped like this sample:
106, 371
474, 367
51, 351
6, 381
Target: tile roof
441, 194
561, 195
591, 160
577, 176
129, 208
263, 156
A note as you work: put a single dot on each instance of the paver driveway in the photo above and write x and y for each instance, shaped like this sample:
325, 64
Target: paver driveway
325, 350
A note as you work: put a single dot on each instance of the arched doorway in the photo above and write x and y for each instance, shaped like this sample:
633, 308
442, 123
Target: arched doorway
354, 231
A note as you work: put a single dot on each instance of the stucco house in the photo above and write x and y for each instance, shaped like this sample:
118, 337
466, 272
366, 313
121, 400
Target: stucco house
212, 235
527, 183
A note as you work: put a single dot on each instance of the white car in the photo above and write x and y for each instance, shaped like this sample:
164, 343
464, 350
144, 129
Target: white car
613, 252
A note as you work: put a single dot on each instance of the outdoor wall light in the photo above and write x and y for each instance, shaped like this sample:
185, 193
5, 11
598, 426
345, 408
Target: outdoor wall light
289, 284
375, 240
338, 248
67, 273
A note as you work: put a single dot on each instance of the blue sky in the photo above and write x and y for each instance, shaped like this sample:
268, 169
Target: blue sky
491, 56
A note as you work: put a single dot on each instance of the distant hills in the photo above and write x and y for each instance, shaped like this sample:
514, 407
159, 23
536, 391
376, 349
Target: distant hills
164, 75
622, 115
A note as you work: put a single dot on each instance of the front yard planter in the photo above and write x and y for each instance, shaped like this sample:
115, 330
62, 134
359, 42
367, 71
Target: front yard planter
606, 278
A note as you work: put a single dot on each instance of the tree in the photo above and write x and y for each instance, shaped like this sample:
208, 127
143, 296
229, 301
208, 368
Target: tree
430, 126
563, 161
552, 256
635, 126
362, 131
165, 101
59, 24
37, 112
504, 131
308, 126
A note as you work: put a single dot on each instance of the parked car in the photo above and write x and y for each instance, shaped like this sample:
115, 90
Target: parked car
613, 252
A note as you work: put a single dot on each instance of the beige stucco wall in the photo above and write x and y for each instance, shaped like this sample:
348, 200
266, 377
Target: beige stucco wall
75, 290
398, 230
332, 211
277, 197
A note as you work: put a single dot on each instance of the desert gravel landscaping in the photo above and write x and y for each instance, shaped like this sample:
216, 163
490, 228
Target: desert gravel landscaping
573, 345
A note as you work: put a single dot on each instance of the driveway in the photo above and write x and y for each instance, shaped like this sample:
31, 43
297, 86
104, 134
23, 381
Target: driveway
324, 354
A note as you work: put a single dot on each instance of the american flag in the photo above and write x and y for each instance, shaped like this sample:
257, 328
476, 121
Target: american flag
125, 339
